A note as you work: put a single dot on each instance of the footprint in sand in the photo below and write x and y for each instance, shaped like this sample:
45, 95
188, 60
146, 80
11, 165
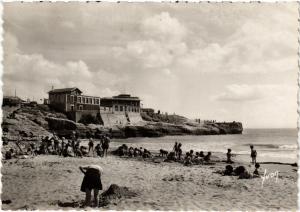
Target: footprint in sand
174, 178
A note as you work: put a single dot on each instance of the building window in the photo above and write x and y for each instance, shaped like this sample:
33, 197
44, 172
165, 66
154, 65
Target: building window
97, 101
121, 108
79, 99
116, 108
86, 100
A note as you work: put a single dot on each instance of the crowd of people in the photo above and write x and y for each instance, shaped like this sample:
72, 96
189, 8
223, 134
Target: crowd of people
124, 150
192, 158
175, 155
63, 147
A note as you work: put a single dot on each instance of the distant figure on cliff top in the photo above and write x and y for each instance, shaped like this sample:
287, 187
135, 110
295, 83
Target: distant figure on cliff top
253, 154
91, 181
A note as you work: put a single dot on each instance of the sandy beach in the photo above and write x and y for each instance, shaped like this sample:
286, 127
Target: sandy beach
43, 181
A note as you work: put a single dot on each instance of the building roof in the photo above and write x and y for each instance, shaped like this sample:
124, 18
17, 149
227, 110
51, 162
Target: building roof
64, 90
122, 97
12, 98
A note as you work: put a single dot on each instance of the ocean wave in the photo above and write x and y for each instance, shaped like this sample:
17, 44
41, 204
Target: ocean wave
289, 146
271, 146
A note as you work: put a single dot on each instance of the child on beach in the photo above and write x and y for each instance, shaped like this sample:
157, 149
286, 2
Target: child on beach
91, 146
91, 181
175, 148
229, 155
105, 145
98, 150
253, 154
256, 173
179, 151
207, 157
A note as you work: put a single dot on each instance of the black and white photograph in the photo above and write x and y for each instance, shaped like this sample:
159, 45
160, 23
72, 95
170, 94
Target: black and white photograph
161, 106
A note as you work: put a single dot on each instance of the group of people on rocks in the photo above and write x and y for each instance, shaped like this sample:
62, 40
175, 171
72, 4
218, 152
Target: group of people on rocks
63, 147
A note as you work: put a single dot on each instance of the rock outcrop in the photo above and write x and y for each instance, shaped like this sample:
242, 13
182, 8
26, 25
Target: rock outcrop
33, 122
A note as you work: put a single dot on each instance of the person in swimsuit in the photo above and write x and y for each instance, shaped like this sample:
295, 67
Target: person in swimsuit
91, 181
105, 145
253, 154
229, 155
91, 146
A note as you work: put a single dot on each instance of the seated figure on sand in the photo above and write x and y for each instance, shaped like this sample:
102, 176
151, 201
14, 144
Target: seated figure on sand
146, 153
201, 154
84, 151
228, 170
256, 172
163, 153
188, 159
171, 157
207, 157
130, 151
136, 152
66, 151
91, 181
99, 150
192, 154
9, 154
242, 172
197, 159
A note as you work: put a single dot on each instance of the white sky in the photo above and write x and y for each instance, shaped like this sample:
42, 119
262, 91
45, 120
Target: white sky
218, 61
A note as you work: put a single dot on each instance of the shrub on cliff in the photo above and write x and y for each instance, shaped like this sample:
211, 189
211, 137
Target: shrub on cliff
89, 119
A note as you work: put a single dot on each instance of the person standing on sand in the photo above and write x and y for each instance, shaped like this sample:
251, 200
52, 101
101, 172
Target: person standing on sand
91, 146
105, 145
229, 155
253, 154
91, 181
179, 150
175, 149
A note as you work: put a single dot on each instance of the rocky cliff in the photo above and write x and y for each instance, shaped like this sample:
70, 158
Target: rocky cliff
32, 122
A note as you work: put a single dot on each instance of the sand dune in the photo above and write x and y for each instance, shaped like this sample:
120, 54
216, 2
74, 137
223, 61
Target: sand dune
41, 182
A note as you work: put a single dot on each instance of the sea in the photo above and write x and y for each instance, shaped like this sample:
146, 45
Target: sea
272, 145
